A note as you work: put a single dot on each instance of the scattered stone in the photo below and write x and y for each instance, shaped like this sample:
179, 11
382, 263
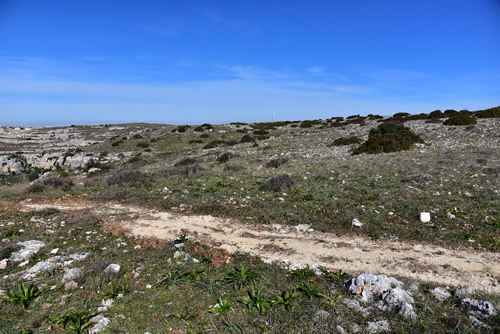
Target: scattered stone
3, 263
414, 287
78, 256
322, 314
479, 324
304, 228
464, 293
340, 329
179, 246
355, 305
481, 308
441, 294
71, 285
425, 217
113, 268
368, 285
101, 322
29, 248
54, 251
378, 326
356, 223
72, 275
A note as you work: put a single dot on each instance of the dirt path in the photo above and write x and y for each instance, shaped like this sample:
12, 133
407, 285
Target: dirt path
297, 246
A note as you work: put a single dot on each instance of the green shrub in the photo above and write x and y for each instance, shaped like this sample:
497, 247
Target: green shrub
142, 145
204, 135
137, 136
460, 119
388, 137
131, 177
346, 141
388, 142
224, 157
488, 113
436, 114
261, 132
214, 144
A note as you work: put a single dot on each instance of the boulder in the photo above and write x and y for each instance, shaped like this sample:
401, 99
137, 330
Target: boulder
29, 248
70, 285
368, 285
464, 293
113, 268
400, 300
441, 294
425, 217
356, 223
479, 324
72, 274
481, 308
101, 322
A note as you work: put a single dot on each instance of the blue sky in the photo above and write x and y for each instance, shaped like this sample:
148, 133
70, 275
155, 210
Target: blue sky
84, 62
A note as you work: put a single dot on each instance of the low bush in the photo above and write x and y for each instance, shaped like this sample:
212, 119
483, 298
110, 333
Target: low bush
130, 177
346, 141
388, 137
234, 168
247, 139
142, 145
187, 170
278, 183
54, 182
214, 144
185, 162
224, 157
488, 113
261, 132
436, 114
275, 163
460, 119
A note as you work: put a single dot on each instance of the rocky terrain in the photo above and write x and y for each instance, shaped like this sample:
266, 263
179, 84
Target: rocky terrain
251, 228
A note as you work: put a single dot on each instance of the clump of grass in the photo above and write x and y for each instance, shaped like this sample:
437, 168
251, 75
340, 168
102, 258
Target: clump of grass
278, 183
53, 182
460, 119
275, 163
388, 137
346, 141
130, 177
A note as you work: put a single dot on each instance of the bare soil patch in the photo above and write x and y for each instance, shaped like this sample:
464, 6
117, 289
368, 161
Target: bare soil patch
287, 246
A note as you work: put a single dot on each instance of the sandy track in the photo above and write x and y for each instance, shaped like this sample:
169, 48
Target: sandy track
296, 247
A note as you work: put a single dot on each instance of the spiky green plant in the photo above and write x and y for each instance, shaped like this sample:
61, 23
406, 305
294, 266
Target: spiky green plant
310, 289
256, 300
286, 299
222, 306
331, 299
240, 277
25, 295
303, 273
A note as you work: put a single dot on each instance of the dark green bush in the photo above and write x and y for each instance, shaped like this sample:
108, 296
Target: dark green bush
460, 119
247, 139
436, 114
260, 132
388, 142
346, 141
401, 114
224, 157
389, 127
142, 145
388, 137
488, 113
204, 135
137, 136
450, 112
199, 129
275, 163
